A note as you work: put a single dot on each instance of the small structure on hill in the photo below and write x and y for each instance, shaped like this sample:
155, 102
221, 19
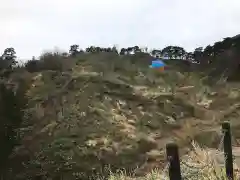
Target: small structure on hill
158, 64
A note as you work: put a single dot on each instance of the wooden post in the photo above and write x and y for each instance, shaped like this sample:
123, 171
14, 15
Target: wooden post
174, 162
228, 150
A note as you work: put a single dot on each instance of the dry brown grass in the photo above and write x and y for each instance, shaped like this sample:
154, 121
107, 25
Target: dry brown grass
199, 164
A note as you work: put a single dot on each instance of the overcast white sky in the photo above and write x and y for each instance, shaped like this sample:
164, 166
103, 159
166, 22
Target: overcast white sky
31, 26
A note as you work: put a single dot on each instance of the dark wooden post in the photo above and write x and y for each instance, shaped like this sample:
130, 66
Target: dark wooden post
174, 162
228, 150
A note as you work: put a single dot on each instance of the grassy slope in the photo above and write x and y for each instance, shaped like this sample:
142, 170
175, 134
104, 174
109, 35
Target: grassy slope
115, 113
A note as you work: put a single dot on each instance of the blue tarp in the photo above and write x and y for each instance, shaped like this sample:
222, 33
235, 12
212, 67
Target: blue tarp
157, 64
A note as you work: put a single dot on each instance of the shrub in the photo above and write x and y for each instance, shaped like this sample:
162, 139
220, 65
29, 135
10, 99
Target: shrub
12, 105
4, 64
50, 61
33, 66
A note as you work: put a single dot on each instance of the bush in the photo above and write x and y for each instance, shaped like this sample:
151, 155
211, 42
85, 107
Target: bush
50, 61
12, 105
4, 64
33, 66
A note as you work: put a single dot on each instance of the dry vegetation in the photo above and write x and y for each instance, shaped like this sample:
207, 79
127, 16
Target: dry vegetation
108, 114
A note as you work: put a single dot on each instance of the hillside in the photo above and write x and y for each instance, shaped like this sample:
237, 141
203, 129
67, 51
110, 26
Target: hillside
110, 112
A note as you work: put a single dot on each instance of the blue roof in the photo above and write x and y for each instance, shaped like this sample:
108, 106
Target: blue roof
157, 64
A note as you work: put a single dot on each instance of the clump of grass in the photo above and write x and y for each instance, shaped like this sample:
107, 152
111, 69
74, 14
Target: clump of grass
199, 164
